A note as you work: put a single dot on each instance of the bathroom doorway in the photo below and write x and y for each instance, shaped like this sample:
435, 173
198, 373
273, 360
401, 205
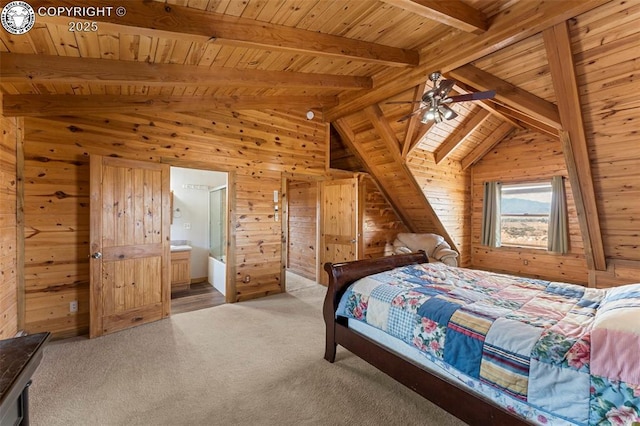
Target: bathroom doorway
198, 236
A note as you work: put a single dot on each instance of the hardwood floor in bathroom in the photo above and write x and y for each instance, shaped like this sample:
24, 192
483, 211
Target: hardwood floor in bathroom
200, 296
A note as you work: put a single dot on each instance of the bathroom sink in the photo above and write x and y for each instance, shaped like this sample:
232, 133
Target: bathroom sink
182, 247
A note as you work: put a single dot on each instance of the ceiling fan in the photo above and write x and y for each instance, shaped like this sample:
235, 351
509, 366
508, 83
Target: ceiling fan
435, 100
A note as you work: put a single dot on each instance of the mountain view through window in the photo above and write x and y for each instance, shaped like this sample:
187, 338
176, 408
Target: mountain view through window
525, 214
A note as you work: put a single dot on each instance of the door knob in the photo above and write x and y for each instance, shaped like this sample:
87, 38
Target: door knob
96, 255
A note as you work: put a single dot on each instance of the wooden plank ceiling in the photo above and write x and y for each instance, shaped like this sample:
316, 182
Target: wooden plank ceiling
343, 58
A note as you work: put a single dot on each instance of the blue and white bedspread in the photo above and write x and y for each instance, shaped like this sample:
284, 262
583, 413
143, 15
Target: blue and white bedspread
562, 349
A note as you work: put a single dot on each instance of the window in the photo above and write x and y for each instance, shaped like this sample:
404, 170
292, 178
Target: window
525, 214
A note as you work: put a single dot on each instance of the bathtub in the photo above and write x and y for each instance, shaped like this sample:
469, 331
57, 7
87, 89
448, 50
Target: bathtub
218, 274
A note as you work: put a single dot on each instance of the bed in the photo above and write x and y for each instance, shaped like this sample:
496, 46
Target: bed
491, 348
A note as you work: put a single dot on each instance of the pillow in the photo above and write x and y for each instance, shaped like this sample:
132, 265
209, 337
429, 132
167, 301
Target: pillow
615, 337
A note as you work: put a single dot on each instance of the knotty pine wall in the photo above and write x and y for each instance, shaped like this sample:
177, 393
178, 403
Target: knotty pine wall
606, 42
256, 146
526, 156
8, 228
448, 188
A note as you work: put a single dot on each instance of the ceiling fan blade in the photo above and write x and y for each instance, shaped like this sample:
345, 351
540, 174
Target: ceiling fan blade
405, 117
471, 96
403, 102
445, 87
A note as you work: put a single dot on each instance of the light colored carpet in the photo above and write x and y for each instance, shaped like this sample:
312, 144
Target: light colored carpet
252, 363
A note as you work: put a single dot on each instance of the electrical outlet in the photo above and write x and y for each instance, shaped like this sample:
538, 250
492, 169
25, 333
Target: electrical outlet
187, 225
73, 306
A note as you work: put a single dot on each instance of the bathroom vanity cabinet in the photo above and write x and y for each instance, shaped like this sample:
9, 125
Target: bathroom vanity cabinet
180, 270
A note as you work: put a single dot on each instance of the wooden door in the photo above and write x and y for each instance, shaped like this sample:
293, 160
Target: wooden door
339, 235
130, 225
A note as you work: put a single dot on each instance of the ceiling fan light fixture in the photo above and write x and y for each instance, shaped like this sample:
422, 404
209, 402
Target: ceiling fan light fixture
427, 116
447, 112
430, 114
438, 114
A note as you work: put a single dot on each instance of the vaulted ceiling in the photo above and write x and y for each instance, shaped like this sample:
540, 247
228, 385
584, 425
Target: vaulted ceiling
337, 58
340, 56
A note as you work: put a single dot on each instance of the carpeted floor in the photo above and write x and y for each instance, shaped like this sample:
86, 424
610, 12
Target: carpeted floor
252, 363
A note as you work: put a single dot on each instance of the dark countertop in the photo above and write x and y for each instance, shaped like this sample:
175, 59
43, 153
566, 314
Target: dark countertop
17, 356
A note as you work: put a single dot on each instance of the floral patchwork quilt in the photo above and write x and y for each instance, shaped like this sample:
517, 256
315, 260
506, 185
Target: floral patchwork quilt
571, 351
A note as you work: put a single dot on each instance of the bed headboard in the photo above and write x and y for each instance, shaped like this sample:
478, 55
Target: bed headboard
342, 275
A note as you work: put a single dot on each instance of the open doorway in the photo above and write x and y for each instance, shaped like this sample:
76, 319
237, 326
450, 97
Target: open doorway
198, 238
302, 232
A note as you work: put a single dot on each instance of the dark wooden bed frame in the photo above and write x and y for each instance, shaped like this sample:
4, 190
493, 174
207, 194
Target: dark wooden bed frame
468, 407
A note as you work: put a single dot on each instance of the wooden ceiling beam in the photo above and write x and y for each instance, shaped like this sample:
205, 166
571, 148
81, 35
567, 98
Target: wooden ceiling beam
557, 43
47, 105
497, 136
184, 23
453, 13
509, 94
349, 140
384, 130
422, 131
22, 68
514, 24
460, 134
488, 105
413, 120
526, 121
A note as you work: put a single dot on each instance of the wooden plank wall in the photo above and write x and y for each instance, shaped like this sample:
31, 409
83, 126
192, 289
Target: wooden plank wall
8, 229
619, 272
606, 42
303, 211
257, 146
381, 224
448, 188
526, 156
